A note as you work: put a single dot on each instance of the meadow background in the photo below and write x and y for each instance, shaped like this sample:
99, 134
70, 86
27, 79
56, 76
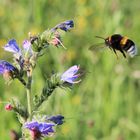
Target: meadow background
106, 104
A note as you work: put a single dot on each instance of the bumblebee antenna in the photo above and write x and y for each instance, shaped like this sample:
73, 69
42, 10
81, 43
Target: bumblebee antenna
100, 37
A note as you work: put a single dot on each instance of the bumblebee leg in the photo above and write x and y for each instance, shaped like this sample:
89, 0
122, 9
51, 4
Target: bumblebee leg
109, 48
123, 53
115, 53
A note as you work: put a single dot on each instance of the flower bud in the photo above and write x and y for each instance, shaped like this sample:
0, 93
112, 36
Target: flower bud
8, 107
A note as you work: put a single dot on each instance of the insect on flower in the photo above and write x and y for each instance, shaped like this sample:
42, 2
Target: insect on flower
120, 43
71, 75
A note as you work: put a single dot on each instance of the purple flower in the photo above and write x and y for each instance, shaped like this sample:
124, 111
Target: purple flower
12, 46
6, 67
27, 46
40, 129
65, 26
7, 70
71, 75
59, 119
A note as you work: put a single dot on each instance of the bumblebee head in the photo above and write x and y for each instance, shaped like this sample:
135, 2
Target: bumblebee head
107, 40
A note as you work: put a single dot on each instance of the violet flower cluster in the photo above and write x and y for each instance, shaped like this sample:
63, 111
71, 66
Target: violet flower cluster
24, 61
45, 128
39, 129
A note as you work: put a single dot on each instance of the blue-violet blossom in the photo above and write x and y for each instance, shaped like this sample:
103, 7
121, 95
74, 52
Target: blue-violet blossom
40, 129
6, 67
71, 75
7, 70
58, 119
12, 46
65, 26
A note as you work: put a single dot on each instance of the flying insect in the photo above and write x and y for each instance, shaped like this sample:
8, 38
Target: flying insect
117, 42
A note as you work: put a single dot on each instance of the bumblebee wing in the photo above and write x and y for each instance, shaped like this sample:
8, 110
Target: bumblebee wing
97, 47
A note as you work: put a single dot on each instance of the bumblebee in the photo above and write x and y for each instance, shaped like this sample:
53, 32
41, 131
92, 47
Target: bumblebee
120, 43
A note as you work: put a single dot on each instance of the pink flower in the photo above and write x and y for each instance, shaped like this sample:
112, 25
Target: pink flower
55, 42
8, 107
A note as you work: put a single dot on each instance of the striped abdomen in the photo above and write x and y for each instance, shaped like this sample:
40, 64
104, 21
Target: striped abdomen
128, 46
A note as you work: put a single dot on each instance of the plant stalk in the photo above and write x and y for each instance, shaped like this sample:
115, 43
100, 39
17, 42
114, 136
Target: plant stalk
28, 91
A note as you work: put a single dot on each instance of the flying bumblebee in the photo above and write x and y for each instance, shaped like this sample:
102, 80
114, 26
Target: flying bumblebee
120, 43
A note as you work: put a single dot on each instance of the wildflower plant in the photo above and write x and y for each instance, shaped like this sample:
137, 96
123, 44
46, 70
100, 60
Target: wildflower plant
36, 126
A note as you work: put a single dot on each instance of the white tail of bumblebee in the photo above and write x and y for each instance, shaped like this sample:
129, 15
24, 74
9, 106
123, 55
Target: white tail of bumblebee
132, 51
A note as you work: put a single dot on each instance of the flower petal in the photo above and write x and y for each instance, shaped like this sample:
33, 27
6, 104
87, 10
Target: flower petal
65, 26
31, 125
71, 71
43, 128
12, 46
59, 119
6, 66
70, 75
26, 45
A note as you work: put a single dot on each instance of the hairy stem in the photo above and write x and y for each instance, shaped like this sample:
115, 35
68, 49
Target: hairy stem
46, 92
22, 81
28, 91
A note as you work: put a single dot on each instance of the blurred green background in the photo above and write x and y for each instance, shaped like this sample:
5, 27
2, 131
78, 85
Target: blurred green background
106, 104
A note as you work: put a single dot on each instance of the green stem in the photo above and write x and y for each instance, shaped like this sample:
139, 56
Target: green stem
29, 101
28, 91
